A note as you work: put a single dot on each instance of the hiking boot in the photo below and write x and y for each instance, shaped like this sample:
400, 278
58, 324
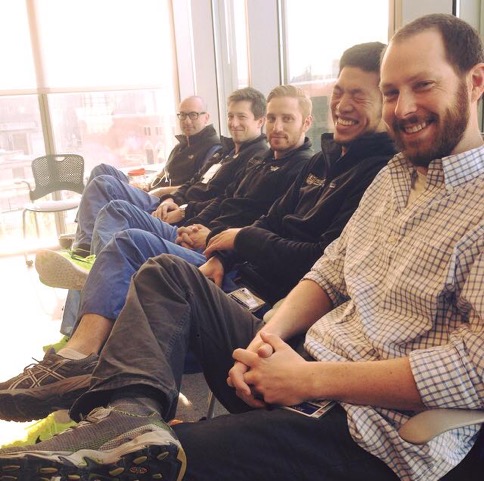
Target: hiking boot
63, 269
55, 423
109, 444
51, 384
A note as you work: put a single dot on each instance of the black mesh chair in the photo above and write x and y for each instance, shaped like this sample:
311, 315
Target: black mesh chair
53, 173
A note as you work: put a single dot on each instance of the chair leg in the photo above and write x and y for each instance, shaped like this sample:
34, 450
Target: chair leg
211, 405
37, 231
28, 261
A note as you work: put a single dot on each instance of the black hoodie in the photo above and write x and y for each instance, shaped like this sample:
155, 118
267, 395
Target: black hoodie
205, 186
280, 247
251, 195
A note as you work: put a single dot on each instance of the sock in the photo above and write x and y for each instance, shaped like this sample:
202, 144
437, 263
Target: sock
135, 401
69, 353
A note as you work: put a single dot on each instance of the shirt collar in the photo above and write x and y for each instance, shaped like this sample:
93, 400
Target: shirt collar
452, 171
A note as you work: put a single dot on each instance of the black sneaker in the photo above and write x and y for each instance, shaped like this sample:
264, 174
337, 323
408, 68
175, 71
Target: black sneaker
51, 384
109, 444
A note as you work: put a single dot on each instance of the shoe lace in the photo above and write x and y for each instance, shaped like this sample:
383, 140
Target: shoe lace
37, 367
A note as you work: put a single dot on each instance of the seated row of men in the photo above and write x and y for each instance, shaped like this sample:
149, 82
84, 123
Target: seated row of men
394, 303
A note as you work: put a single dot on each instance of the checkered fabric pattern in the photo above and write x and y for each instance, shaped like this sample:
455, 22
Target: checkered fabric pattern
408, 280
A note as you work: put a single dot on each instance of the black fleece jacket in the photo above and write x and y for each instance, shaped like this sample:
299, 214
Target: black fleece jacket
201, 189
280, 247
246, 199
189, 155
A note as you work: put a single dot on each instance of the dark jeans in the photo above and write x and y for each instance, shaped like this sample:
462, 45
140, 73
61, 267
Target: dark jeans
171, 307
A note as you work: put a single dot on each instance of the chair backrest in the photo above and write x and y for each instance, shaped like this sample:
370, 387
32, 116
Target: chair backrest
57, 172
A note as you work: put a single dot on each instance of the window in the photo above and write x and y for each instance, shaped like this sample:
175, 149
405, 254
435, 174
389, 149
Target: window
315, 35
231, 46
95, 78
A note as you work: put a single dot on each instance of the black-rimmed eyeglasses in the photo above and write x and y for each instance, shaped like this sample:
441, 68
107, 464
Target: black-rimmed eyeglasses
191, 115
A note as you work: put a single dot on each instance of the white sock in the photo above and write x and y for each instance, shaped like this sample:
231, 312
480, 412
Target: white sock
69, 353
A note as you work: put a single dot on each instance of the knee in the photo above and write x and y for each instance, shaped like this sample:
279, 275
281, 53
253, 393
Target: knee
101, 169
136, 239
117, 207
175, 262
101, 183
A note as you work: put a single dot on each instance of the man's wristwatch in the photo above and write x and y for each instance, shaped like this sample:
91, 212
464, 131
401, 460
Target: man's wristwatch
182, 208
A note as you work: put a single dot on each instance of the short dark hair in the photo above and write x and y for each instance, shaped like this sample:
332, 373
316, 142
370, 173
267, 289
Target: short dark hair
462, 43
365, 56
257, 100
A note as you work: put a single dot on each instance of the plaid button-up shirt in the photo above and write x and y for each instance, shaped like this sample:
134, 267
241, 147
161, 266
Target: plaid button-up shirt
409, 281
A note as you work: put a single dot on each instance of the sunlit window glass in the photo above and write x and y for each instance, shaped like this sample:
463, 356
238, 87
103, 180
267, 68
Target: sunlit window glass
240, 38
316, 34
18, 67
97, 78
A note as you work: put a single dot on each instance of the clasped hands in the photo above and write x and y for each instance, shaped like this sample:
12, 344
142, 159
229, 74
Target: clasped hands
193, 236
269, 372
168, 211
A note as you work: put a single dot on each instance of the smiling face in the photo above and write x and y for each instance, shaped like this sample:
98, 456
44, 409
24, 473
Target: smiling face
356, 105
241, 122
426, 104
285, 125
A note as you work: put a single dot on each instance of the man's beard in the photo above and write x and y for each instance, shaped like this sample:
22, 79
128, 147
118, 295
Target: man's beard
453, 125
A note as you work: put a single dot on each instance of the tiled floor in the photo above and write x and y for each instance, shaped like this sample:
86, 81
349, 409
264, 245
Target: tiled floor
30, 318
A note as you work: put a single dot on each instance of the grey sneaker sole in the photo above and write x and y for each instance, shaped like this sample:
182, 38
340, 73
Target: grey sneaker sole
37, 403
57, 271
149, 456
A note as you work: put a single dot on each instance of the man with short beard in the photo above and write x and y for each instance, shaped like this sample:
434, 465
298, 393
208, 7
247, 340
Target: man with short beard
392, 315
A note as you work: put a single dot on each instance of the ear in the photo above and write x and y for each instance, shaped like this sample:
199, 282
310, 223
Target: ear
308, 121
476, 77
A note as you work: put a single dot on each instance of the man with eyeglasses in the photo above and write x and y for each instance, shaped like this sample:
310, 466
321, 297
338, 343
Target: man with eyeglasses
197, 143
198, 137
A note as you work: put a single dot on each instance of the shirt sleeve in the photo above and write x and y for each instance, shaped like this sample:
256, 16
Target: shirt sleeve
452, 375
328, 271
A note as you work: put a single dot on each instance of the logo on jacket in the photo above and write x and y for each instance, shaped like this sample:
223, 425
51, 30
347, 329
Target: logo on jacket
311, 179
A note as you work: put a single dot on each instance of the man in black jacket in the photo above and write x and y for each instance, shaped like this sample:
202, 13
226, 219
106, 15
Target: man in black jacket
197, 143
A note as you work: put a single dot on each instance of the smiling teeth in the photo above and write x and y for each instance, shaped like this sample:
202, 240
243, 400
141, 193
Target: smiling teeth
346, 122
415, 128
